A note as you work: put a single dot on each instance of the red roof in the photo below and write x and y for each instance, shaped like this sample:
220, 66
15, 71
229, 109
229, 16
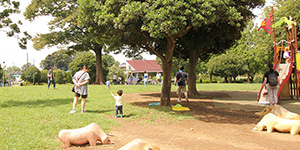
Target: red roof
144, 65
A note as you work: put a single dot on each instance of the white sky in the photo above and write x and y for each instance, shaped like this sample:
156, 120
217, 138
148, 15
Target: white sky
15, 56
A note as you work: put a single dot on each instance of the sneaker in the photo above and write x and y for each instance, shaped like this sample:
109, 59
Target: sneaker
121, 116
179, 100
72, 111
82, 111
187, 99
116, 116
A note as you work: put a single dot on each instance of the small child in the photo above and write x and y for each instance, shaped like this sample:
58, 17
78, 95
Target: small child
286, 55
107, 84
119, 105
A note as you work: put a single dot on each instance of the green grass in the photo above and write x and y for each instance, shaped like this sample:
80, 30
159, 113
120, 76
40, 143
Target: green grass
32, 116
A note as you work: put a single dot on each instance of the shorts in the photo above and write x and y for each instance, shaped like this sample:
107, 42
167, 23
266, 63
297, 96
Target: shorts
181, 89
82, 96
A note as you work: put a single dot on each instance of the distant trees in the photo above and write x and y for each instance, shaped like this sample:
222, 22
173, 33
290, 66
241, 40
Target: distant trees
59, 59
115, 69
227, 66
88, 58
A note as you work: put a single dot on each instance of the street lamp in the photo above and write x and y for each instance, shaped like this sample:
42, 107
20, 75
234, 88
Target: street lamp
3, 76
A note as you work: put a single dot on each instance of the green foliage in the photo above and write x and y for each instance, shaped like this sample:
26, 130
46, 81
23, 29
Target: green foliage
107, 62
227, 65
256, 49
25, 66
115, 69
62, 76
1, 72
59, 59
44, 78
8, 8
88, 59
32, 74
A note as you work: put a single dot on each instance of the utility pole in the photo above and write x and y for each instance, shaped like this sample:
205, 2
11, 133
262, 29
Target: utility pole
3, 76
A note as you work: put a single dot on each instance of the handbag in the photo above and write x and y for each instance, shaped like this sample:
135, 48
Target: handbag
73, 89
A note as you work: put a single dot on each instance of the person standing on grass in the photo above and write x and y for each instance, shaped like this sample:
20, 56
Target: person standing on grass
181, 80
119, 106
145, 78
51, 78
107, 84
81, 79
158, 78
271, 81
115, 79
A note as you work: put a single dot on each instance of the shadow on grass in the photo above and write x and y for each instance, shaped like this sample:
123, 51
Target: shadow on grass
205, 108
36, 103
97, 111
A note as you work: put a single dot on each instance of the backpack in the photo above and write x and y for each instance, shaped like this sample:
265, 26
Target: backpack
181, 80
273, 79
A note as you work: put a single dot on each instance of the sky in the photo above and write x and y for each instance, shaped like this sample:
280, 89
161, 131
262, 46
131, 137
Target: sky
13, 55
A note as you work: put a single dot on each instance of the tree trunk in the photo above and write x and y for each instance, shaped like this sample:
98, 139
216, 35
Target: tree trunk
225, 80
248, 78
166, 88
229, 79
192, 89
210, 78
99, 68
167, 70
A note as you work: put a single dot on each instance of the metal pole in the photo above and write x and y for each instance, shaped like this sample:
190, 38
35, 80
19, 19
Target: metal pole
3, 76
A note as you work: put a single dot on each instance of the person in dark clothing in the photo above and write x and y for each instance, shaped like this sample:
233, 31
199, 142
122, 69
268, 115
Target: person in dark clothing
181, 80
271, 87
51, 78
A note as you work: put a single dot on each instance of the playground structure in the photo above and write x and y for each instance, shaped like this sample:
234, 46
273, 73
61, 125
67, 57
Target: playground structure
289, 71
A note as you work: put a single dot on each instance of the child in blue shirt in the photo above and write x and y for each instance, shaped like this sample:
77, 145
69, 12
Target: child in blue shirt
107, 84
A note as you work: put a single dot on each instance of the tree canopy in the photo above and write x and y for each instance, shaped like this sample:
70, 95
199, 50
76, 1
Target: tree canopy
66, 31
59, 59
155, 25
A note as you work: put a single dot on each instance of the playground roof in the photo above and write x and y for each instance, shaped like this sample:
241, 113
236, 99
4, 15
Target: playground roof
144, 65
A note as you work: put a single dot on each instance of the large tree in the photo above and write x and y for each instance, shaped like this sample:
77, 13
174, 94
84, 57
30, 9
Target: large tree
155, 25
66, 31
214, 38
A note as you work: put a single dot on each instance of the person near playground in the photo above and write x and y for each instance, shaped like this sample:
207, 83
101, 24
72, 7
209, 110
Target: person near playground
145, 78
158, 78
271, 81
181, 80
115, 79
51, 78
81, 79
107, 84
130, 78
119, 106
286, 55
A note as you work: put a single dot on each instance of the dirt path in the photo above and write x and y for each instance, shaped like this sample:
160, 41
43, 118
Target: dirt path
224, 121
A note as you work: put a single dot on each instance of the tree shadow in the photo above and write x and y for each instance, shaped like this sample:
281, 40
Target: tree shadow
209, 106
36, 103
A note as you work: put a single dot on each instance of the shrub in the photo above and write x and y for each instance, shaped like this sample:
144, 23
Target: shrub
32, 74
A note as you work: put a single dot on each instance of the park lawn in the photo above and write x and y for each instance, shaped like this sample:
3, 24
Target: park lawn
32, 116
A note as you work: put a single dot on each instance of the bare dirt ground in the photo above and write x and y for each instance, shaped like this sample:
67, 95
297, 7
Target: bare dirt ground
225, 120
